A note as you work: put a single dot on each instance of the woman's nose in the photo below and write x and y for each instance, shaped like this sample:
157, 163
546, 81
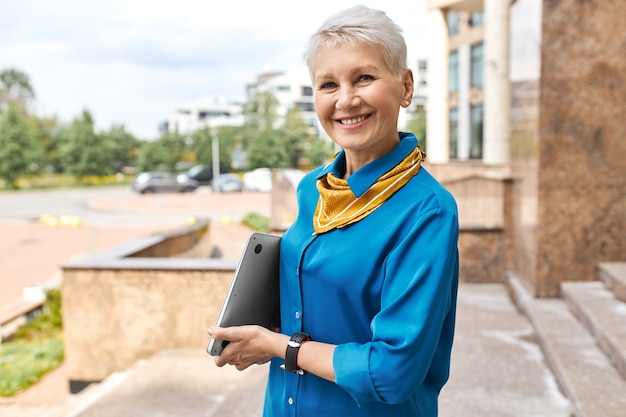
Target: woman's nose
347, 98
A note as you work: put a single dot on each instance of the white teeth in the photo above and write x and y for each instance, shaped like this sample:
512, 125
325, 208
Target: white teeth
352, 121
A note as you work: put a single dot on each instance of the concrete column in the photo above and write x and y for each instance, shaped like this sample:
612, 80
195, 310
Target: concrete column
437, 127
497, 89
464, 103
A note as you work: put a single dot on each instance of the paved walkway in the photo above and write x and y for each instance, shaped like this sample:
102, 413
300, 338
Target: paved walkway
497, 368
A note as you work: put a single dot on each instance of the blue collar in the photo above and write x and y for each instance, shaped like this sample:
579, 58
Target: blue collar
366, 176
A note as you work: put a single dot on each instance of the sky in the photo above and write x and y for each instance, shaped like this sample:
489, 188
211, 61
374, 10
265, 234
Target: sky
133, 62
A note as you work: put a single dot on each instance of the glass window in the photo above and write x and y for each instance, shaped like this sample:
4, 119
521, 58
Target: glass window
453, 63
477, 19
306, 106
454, 132
476, 133
477, 65
454, 21
307, 91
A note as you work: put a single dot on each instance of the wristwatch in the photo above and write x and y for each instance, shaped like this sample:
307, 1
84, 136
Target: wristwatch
291, 355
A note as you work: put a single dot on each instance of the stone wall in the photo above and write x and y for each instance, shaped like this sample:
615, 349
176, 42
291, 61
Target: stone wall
482, 257
119, 308
485, 203
581, 173
114, 317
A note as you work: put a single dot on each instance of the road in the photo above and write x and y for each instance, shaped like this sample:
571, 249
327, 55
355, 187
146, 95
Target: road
97, 206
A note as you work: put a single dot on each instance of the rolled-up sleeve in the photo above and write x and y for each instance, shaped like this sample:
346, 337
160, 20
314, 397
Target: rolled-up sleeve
413, 331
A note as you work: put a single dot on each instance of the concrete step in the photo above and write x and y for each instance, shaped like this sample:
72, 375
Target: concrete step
584, 373
613, 275
497, 366
603, 315
176, 382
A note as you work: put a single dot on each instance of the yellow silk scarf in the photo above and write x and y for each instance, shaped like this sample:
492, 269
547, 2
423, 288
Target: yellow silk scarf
338, 206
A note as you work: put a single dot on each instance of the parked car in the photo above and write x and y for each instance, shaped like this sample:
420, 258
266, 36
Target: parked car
161, 182
259, 179
230, 183
203, 174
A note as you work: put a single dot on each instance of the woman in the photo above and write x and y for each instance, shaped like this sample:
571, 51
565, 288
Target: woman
369, 269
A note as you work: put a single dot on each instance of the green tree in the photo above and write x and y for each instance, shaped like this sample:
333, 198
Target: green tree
46, 132
83, 152
153, 157
15, 89
296, 136
202, 145
267, 149
175, 145
124, 146
417, 126
260, 111
230, 138
17, 148
319, 152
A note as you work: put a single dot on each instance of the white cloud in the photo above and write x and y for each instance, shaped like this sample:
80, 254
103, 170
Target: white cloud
133, 61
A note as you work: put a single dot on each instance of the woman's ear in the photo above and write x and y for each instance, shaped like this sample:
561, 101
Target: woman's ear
407, 82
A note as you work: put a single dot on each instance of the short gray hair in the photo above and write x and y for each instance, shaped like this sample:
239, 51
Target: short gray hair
360, 24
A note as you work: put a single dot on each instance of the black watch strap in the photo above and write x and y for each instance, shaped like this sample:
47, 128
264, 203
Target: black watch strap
291, 355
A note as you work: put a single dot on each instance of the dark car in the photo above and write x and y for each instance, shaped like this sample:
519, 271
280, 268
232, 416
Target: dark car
203, 174
161, 182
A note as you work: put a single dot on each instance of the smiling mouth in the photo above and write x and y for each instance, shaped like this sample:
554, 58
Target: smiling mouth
353, 120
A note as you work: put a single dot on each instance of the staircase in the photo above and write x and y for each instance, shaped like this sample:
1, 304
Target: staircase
583, 338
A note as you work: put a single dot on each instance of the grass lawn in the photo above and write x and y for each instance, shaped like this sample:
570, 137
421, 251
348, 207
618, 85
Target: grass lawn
22, 363
36, 349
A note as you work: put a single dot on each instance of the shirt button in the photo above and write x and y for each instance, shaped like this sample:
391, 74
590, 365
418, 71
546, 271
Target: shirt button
297, 314
290, 401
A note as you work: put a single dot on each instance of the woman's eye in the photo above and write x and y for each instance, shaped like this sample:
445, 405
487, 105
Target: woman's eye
327, 85
365, 78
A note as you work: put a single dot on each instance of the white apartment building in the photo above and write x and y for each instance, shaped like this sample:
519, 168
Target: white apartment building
291, 89
203, 113
469, 82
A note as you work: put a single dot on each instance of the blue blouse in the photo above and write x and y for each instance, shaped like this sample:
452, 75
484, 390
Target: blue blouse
382, 289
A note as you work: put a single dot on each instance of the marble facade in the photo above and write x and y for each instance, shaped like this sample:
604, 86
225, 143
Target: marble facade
568, 149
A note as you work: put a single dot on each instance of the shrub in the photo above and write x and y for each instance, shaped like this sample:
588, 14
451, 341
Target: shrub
256, 222
36, 348
22, 363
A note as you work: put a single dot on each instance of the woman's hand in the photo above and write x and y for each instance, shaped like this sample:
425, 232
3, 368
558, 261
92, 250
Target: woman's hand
251, 345
248, 345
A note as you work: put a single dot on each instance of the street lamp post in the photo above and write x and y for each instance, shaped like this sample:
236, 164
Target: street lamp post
215, 147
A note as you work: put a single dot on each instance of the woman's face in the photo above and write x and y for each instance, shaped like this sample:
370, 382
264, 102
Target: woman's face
357, 99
